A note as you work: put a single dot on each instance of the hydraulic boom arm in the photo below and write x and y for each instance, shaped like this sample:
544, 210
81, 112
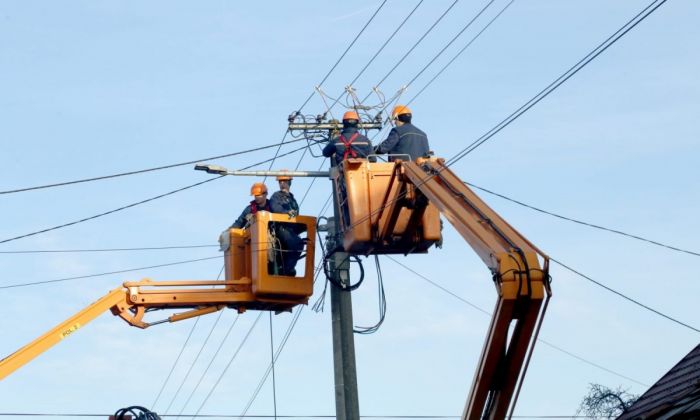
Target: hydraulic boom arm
522, 285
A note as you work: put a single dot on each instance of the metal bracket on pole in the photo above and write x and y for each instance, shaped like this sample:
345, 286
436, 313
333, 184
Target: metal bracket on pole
220, 170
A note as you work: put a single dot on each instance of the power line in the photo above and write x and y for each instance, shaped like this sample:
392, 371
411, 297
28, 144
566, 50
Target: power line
9, 286
560, 80
619, 232
415, 45
148, 248
328, 74
622, 295
371, 60
459, 53
85, 219
194, 362
296, 416
344, 53
540, 340
136, 203
597, 51
177, 359
223, 372
211, 362
141, 171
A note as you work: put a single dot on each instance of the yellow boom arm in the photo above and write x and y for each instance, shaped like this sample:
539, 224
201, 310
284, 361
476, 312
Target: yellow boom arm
522, 285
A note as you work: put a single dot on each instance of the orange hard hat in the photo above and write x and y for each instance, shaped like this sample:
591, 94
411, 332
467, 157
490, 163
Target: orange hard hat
400, 110
284, 177
351, 115
258, 189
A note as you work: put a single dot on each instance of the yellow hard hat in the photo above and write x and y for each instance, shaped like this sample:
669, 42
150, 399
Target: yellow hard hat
258, 189
351, 115
284, 177
400, 110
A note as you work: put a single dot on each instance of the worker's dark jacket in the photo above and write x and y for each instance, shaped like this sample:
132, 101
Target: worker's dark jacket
350, 144
406, 140
288, 234
251, 208
283, 202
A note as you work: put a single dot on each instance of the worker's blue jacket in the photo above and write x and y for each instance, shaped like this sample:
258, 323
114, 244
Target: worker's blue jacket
349, 144
283, 202
251, 208
405, 140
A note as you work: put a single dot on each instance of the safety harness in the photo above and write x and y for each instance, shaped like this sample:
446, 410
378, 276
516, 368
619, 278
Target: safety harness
348, 146
254, 206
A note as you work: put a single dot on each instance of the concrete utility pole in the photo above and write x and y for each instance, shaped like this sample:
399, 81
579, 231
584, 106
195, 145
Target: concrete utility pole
347, 405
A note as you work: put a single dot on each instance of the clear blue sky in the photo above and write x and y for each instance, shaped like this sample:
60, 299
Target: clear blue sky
100, 87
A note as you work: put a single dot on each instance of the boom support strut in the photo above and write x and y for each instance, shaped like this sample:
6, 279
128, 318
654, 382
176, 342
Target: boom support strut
522, 285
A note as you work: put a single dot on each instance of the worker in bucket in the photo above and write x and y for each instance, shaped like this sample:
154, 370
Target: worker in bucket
291, 244
405, 138
350, 143
259, 203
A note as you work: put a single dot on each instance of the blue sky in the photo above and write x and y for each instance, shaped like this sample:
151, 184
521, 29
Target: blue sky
94, 88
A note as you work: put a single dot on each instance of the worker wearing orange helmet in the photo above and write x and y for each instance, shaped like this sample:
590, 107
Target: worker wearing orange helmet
350, 143
405, 138
259, 203
292, 245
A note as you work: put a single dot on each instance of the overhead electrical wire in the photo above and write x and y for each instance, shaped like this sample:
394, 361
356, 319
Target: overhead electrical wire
471, 41
85, 219
371, 60
425, 67
228, 365
627, 298
295, 416
68, 251
194, 362
211, 362
612, 39
415, 45
485, 312
177, 359
198, 354
327, 75
591, 225
587, 59
10, 286
141, 171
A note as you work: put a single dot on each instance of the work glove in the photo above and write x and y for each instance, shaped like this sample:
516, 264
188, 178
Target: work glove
292, 214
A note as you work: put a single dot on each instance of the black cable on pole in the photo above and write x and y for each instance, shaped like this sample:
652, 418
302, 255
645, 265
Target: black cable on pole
560, 80
137, 203
603, 228
10, 286
141, 171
